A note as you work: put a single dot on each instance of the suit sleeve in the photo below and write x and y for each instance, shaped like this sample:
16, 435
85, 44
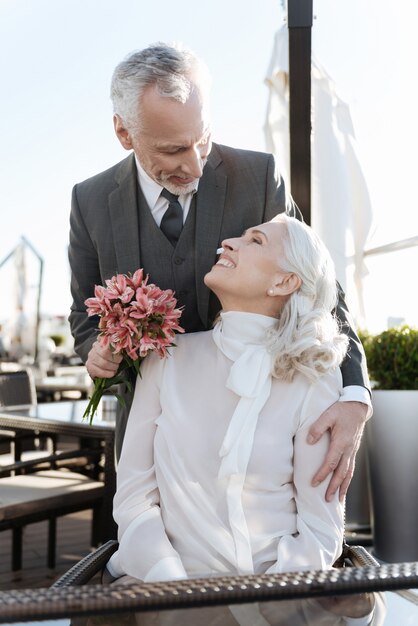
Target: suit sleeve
85, 273
145, 551
276, 197
354, 366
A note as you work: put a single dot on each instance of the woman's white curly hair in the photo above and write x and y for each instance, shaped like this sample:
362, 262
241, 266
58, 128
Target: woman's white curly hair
307, 338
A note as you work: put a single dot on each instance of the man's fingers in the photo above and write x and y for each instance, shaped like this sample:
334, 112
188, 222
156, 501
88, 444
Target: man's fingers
349, 474
102, 362
104, 370
330, 464
341, 478
345, 485
342, 466
345, 421
342, 475
320, 426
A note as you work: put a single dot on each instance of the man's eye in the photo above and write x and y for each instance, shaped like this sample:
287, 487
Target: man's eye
173, 150
256, 240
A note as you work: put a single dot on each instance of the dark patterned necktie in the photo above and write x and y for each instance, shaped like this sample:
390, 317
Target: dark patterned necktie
172, 221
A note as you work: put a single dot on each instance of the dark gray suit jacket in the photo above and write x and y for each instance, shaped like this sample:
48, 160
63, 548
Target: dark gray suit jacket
238, 189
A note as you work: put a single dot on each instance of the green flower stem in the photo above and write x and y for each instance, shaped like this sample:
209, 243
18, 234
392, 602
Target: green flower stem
101, 385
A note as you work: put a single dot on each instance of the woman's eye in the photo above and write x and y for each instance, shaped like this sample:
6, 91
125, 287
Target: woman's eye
256, 240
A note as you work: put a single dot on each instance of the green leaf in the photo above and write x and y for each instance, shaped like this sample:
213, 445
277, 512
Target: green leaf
127, 368
121, 399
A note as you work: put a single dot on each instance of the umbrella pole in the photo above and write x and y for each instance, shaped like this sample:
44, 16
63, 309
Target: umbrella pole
300, 15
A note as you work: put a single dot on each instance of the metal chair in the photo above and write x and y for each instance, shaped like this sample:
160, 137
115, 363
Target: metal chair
27, 498
83, 572
119, 604
17, 388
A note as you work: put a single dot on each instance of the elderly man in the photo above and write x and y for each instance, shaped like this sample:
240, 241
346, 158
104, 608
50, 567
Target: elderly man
167, 207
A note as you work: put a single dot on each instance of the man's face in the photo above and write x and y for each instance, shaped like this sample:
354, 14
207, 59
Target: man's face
173, 140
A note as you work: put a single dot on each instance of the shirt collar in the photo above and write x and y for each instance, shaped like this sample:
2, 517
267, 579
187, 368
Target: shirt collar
150, 188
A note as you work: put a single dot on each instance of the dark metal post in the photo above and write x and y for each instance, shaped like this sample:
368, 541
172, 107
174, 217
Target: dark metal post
300, 14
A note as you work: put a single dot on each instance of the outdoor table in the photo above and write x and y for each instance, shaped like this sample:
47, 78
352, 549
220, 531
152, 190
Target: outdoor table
304, 598
65, 419
53, 386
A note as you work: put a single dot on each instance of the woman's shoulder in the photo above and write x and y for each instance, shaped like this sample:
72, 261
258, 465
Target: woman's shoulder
321, 394
332, 379
302, 398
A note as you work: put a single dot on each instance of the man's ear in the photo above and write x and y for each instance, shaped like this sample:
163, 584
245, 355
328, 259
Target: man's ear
122, 133
285, 284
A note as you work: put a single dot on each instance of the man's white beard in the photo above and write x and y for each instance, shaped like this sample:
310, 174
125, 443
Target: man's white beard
179, 189
164, 180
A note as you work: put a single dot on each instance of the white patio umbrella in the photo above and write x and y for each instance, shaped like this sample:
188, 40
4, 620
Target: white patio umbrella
341, 209
19, 339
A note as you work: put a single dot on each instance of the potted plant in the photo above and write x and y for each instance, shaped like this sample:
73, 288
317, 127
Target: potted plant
392, 358
392, 442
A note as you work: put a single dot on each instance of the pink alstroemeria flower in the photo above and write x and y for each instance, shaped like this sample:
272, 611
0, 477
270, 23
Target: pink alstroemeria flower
137, 279
118, 289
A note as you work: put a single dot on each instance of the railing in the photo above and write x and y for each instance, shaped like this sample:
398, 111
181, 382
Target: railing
395, 246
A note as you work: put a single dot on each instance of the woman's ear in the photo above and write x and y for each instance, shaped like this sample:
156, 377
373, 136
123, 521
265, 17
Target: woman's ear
285, 285
122, 133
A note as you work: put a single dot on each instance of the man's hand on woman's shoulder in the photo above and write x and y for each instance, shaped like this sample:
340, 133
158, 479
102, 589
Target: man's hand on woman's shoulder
345, 421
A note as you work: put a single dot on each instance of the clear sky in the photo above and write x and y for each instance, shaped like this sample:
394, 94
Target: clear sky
57, 57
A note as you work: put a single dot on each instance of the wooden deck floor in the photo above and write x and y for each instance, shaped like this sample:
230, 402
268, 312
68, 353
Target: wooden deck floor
73, 543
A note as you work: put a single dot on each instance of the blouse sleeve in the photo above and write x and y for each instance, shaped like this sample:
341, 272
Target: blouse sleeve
320, 524
145, 551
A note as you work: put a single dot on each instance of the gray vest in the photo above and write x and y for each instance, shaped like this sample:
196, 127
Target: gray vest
168, 267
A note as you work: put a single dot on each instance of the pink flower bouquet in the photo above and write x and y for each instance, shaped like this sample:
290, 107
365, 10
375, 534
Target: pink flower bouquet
135, 319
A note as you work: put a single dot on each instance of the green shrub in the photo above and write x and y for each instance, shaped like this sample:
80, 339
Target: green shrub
57, 339
392, 358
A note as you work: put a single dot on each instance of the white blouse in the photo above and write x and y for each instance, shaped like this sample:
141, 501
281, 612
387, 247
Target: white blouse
215, 472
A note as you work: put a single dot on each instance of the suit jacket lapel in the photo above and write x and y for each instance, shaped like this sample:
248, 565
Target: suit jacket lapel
210, 201
124, 217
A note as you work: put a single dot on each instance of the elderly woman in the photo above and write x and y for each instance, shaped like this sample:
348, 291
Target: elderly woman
215, 473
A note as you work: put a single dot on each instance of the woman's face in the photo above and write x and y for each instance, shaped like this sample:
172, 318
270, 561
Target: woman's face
247, 273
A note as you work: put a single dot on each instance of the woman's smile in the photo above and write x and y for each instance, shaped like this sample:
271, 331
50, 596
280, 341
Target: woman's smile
225, 262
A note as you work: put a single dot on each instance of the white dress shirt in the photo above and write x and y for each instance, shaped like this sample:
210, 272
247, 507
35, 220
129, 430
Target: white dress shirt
215, 472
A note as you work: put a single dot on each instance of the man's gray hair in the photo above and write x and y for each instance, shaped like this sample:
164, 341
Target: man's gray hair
175, 71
